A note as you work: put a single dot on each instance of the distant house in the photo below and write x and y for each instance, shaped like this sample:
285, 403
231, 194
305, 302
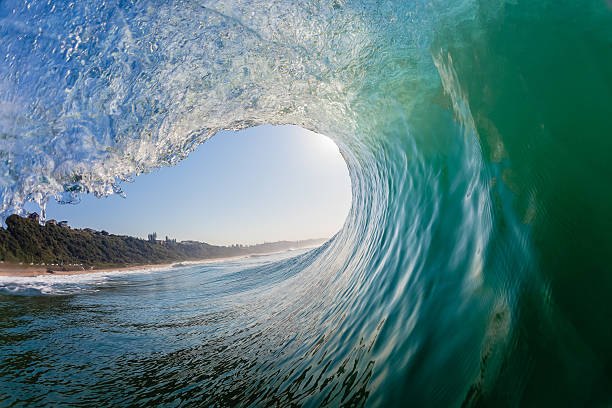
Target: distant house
51, 222
63, 224
34, 216
91, 231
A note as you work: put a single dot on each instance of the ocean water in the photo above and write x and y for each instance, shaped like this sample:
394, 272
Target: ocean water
473, 268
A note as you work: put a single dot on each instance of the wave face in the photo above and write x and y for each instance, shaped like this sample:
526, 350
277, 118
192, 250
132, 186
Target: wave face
474, 265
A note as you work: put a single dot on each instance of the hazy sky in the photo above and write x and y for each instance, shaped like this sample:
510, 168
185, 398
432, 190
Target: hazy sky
261, 184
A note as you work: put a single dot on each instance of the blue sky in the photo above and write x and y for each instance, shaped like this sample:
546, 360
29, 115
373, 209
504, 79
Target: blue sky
266, 183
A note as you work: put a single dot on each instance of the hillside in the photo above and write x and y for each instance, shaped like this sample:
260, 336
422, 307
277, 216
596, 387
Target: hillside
25, 240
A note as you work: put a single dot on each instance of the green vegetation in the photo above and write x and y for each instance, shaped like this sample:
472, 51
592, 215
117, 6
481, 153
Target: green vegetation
25, 240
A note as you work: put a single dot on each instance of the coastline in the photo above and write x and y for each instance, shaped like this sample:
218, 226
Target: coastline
8, 269
16, 270
12, 269
37, 250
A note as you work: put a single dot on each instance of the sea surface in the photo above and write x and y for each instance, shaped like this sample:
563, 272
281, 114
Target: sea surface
188, 334
474, 268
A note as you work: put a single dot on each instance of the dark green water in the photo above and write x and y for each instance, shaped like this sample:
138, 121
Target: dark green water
474, 266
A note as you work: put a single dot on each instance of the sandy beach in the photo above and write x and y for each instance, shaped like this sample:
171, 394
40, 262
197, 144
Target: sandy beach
25, 270
11, 269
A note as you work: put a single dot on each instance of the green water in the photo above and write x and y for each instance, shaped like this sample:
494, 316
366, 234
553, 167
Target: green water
538, 80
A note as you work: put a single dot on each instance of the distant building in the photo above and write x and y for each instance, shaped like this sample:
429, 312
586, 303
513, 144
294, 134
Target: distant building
91, 231
51, 222
63, 224
34, 216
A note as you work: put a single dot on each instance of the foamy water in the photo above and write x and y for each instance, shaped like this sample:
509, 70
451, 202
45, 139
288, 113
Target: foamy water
50, 284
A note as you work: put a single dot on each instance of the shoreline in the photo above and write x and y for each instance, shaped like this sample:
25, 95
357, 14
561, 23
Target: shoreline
9, 269
31, 271
30, 249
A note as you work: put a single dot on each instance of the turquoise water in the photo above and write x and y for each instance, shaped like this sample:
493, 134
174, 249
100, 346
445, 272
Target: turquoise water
473, 268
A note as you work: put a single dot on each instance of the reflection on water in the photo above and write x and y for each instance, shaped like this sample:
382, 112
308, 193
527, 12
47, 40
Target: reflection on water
215, 334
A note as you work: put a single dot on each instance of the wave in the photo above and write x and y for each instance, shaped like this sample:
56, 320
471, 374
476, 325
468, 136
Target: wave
64, 284
473, 266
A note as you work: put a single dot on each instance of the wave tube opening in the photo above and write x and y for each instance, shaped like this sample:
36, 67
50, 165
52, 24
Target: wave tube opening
262, 184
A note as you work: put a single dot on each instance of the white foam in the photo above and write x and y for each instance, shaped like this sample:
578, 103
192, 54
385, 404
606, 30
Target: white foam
64, 284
